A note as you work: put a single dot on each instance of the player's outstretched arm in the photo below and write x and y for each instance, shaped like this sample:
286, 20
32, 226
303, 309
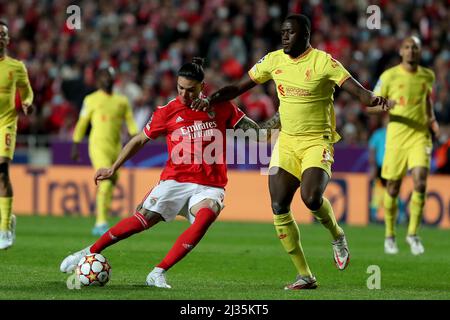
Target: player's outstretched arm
263, 131
224, 94
432, 122
130, 149
367, 97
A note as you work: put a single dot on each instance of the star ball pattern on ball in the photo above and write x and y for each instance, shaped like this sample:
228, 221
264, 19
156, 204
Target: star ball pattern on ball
93, 270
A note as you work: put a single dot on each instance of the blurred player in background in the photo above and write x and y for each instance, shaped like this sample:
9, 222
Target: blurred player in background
191, 188
377, 148
305, 78
408, 140
377, 143
13, 76
106, 112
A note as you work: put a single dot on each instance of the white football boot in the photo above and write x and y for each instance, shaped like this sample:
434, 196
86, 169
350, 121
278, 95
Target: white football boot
7, 237
157, 278
415, 244
70, 262
302, 282
390, 245
341, 255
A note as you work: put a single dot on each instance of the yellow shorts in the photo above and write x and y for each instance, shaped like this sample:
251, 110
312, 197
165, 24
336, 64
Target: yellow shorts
103, 154
295, 154
101, 159
398, 161
7, 141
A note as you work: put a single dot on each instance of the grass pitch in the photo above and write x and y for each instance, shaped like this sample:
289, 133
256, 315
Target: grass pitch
239, 261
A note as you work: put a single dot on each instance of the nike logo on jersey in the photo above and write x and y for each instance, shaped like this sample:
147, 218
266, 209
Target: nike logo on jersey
278, 71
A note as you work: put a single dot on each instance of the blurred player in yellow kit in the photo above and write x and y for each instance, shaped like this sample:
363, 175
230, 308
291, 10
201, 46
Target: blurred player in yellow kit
13, 76
106, 112
408, 140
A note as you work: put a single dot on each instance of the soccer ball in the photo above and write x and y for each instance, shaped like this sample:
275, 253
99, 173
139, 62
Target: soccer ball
93, 270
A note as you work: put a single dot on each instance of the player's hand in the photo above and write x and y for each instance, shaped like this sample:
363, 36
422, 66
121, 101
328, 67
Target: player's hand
385, 104
434, 126
103, 174
74, 153
27, 108
200, 104
372, 173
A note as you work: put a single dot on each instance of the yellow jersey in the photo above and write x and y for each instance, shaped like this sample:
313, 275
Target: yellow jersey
408, 120
305, 88
13, 76
106, 114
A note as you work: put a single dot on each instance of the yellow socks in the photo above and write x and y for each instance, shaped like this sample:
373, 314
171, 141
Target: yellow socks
289, 235
415, 212
325, 216
104, 198
390, 214
5, 210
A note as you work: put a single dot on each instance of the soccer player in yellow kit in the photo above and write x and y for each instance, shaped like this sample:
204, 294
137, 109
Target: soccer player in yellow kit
305, 78
408, 140
13, 76
106, 112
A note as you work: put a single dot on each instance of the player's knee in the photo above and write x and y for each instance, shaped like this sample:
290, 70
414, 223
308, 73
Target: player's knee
210, 204
393, 189
420, 186
150, 216
312, 200
4, 172
280, 208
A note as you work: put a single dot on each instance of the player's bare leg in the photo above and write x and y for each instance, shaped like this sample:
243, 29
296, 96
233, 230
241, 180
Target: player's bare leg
282, 187
314, 182
390, 215
143, 219
416, 206
205, 212
7, 219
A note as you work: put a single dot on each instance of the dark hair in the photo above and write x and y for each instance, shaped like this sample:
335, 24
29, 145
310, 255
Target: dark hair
193, 70
3, 23
302, 20
107, 69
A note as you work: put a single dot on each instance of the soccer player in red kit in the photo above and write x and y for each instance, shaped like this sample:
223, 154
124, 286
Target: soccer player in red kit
193, 180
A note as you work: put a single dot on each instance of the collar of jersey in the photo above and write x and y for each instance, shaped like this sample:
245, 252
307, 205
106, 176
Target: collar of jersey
106, 93
407, 71
300, 57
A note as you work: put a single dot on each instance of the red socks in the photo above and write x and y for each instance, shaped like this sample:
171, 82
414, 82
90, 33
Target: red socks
189, 238
121, 230
137, 223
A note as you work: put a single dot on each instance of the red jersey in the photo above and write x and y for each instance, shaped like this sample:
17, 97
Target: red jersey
196, 141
